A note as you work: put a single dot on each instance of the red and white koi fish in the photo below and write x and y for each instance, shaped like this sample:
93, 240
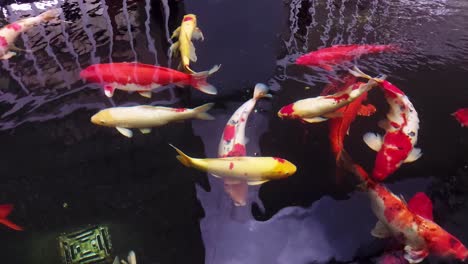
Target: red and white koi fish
320, 108
339, 126
144, 117
10, 32
329, 57
401, 132
5, 210
410, 224
187, 31
143, 78
233, 142
462, 116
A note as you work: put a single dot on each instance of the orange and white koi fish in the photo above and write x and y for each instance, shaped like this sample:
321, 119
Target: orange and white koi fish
339, 126
401, 132
233, 142
412, 227
5, 210
254, 170
143, 78
144, 117
187, 31
10, 32
462, 116
321, 108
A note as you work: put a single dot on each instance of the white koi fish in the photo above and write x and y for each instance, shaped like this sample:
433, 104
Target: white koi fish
144, 117
10, 32
131, 259
320, 108
187, 31
233, 142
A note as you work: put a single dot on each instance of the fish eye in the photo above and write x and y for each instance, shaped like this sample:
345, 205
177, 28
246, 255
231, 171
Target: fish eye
102, 121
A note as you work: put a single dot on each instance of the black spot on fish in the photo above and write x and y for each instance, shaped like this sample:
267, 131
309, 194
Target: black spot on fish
411, 134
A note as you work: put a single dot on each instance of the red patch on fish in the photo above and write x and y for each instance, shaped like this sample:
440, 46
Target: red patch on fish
5, 210
287, 111
180, 109
229, 132
3, 42
237, 151
242, 119
187, 19
391, 90
340, 98
394, 124
462, 116
395, 149
231, 165
14, 26
280, 160
421, 205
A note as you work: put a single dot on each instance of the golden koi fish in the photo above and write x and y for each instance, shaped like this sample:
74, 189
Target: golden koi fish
187, 31
146, 116
254, 170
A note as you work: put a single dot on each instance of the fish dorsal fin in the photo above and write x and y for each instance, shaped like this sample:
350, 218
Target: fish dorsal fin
373, 141
414, 155
421, 204
256, 182
380, 230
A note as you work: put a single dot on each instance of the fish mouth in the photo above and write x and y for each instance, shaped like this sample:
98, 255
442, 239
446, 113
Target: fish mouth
94, 119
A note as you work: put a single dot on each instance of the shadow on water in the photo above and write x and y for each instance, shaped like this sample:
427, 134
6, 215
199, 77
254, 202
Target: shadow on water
63, 173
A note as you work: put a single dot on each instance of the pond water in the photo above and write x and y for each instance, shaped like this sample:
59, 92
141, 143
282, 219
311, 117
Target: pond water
63, 173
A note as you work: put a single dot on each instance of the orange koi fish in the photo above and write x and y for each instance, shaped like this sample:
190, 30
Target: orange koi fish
5, 210
411, 224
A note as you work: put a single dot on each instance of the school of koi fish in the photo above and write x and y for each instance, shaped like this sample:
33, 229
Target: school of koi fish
410, 224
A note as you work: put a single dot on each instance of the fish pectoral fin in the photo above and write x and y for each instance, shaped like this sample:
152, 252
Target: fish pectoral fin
414, 155
380, 230
173, 49
176, 33
373, 141
197, 34
146, 94
414, 255
125, 131
193, 55
8, 55
145, 130
314, 119
256, 182
109, 90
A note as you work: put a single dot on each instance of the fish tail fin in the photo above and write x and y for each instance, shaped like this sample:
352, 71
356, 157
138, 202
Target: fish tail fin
199, 80
51, 14
187, 68
261, 91
182, 157
201, 112
5, 210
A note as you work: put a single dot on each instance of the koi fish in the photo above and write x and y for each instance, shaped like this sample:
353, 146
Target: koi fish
143, 78
10, 32
329, 57
462, 116
187, 31
5, 210
233, 142
254, 170
320, 108
401, 132
144, 117
411, 224
339, 126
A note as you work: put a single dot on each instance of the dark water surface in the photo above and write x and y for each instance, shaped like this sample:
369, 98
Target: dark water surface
52, 155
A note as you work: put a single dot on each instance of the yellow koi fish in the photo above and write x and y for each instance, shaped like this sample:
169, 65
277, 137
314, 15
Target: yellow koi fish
254, 170
187, 31
146, 116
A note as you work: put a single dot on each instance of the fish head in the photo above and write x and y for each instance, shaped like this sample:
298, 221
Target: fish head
441, 242
51, 14
103, 118
288, 112
190, 18
283, 168
395, 149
